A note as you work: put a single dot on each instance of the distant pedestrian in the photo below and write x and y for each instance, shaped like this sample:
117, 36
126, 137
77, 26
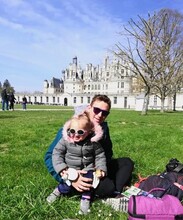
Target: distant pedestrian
11, 100
24, 103
4, 97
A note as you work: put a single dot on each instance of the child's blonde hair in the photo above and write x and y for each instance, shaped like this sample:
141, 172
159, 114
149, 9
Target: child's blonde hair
84, 120
90, 126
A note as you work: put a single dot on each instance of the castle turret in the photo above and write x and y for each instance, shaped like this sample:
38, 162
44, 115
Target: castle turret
75, 61
45, 86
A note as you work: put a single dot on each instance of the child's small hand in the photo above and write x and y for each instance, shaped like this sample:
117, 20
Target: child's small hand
64, 174
100, 173
69, 174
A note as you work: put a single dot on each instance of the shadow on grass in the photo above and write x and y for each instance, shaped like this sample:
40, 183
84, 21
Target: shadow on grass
156, 112
7, 116
177, 112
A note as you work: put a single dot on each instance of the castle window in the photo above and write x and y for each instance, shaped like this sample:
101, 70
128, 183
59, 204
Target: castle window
155, 100
88, 99
41, 99
47, 99
81, 99
35, 99
122, 84
125, 102
58, 100
53, 99
115, 100
74, 100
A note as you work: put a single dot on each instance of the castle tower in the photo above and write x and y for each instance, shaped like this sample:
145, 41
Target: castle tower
45, 86
75, 61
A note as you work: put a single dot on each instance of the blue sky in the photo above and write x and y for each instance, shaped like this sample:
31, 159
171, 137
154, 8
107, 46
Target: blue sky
39, 38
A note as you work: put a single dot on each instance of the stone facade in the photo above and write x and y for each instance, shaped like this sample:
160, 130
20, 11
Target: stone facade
77, 87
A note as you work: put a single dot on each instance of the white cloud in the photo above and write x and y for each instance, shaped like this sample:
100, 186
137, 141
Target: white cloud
40, 38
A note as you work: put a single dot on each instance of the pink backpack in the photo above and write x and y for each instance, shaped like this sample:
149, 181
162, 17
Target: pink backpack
151, 208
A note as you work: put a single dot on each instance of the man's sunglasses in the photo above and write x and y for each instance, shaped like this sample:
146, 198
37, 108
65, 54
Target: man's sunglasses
78, 132
98, 110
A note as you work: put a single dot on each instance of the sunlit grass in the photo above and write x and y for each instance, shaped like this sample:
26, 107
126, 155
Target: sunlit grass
24, 138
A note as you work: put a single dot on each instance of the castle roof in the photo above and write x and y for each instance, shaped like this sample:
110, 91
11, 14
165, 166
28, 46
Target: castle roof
56, 82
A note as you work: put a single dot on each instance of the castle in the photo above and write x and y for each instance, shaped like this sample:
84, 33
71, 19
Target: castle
77, 86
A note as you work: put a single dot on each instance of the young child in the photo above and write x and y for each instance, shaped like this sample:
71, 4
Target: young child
78, 150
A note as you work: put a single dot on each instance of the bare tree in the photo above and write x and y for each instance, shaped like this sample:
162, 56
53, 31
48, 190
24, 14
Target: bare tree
169, 50
150, 52
178, 84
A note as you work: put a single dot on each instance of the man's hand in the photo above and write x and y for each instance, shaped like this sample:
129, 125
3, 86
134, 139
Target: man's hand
82, 183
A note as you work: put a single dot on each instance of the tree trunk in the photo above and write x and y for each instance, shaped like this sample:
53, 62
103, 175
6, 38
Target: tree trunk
174, 101
170, 107
145, 104
162, 105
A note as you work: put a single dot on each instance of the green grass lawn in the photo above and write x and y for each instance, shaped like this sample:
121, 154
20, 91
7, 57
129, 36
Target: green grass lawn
24, 138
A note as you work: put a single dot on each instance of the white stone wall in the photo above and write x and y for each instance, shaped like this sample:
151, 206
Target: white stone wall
80, 85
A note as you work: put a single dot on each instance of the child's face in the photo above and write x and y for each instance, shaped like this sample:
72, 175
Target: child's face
78, 130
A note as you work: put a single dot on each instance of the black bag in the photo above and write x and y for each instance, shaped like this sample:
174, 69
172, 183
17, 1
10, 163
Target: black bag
174, 166
171, 180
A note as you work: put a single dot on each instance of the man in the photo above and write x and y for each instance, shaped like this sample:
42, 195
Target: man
119, 170
11, 99
4, 97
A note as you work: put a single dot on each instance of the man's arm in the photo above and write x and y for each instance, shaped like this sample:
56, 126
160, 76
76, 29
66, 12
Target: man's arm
48, 156
106, 142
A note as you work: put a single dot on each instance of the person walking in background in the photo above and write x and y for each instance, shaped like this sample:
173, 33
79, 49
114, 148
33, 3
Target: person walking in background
11, 100
4, 97
24, 103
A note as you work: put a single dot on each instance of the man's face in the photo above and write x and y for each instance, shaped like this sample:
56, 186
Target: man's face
98, 111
